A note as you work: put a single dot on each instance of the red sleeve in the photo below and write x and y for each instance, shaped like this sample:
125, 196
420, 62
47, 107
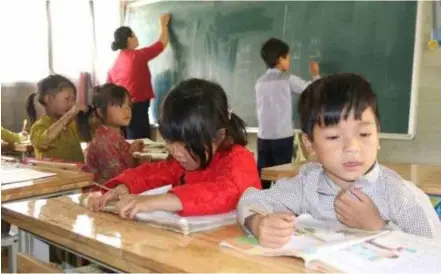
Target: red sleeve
150, 52
234, 174
148, 176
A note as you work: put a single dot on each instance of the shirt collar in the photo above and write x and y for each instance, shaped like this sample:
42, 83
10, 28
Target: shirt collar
327, 187
273, 70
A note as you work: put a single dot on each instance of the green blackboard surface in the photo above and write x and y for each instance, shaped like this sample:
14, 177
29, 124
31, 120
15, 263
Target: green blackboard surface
221, 41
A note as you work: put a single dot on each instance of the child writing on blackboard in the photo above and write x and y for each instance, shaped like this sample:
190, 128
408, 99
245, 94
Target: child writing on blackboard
210, 166
275, 143
340, 121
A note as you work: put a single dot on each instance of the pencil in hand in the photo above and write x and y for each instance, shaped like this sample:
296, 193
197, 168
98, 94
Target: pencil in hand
25, 124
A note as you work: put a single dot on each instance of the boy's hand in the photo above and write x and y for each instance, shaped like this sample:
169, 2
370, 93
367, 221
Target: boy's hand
314, 68
358, 211
164, 19
273, 230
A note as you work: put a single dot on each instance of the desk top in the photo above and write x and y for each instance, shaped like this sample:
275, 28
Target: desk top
426, 177
134, 246
17, 147
64, 180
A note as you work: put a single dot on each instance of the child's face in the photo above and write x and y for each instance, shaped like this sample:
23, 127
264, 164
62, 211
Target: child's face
181, 154
346, 150
61, 102
119, 116
184, 157
284, 63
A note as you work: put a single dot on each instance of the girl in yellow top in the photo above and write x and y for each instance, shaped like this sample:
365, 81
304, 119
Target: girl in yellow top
12, 137
56, 133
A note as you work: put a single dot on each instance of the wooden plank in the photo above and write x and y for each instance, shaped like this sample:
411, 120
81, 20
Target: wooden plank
27, 264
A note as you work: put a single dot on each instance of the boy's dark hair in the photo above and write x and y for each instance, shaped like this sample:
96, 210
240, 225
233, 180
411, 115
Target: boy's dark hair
272, 50
120, 37
103, 96
49, 85
325, 100
193, 112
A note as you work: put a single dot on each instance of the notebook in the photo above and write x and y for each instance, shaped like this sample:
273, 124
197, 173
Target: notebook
329, 246
12, 174
176, 223
155, 155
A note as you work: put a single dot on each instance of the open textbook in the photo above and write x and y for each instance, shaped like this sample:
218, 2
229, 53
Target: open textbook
174, 222
326, 246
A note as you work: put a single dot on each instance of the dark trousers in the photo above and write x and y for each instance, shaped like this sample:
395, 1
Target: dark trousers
274, 152
139, 126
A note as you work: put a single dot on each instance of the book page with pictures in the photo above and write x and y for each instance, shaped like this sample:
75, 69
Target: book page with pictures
311, 239
395, 251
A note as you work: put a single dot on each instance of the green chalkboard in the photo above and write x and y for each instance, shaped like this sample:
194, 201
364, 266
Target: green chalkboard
221, 41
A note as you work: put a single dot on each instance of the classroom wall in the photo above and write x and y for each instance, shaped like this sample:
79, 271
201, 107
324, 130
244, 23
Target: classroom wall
13, 98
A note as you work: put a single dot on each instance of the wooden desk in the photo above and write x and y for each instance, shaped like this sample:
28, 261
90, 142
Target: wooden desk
426, 177
130, 246
65, 180
23, 148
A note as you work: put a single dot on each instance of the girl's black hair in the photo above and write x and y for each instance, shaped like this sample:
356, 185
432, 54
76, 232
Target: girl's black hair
193, 112
47, 86
120, 37
103, 96
325, 101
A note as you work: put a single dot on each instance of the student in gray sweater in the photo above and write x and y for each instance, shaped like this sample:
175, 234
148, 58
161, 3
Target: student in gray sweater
274, 89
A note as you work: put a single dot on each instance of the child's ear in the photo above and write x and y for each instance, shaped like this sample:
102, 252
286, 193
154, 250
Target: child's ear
307, 144
46, 99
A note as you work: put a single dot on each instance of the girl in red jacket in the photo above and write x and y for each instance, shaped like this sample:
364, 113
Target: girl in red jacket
210, 168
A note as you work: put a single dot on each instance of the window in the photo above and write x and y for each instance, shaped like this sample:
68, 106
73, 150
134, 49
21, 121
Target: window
72, 37
107, 20
26, 53
24, 46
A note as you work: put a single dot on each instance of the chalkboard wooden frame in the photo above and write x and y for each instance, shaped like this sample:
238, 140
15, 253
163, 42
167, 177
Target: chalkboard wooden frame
418, 44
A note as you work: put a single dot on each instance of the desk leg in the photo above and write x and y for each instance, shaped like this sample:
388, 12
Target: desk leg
12, 256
